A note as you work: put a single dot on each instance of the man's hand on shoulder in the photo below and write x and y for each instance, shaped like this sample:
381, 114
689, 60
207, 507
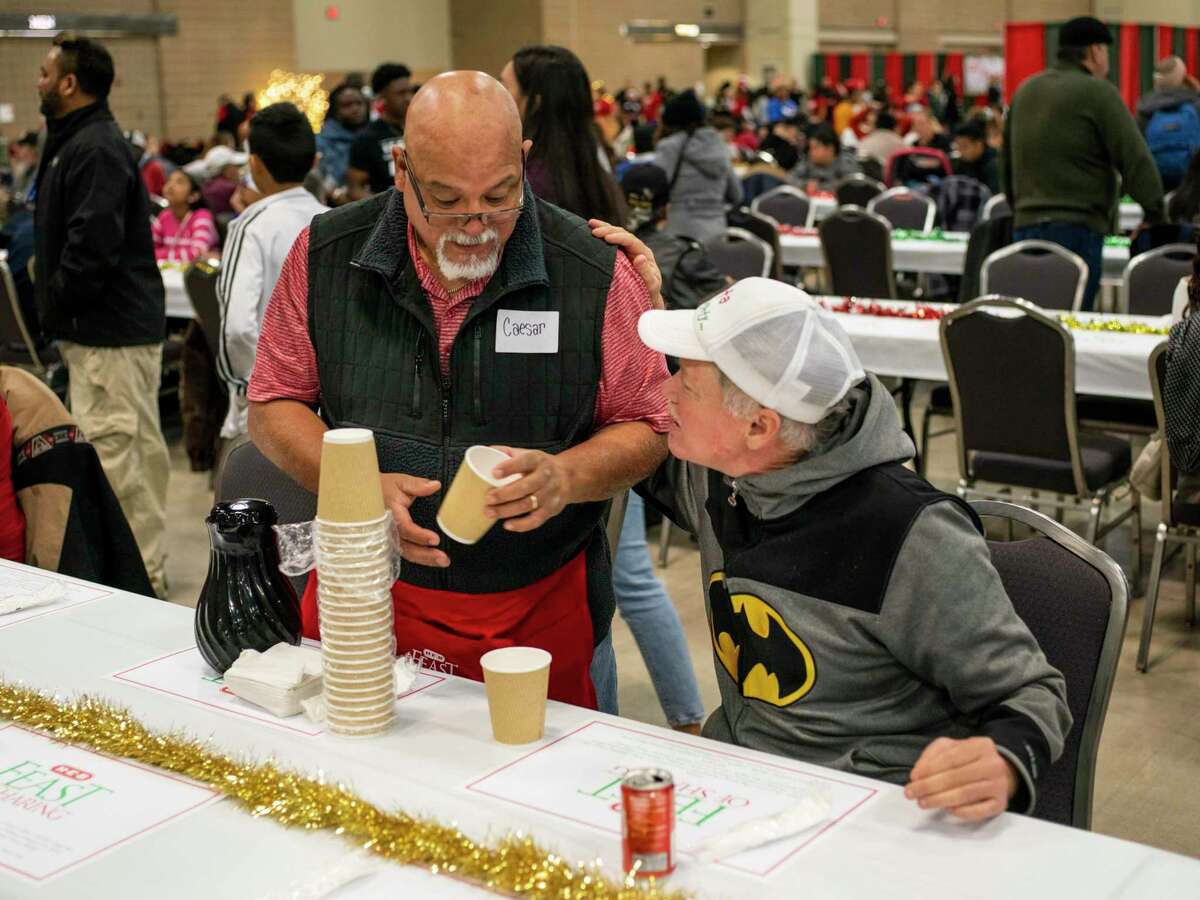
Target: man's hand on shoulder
967, 778
639, 254
418, 545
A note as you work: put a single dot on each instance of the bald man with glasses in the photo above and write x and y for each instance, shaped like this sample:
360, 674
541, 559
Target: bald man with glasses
458, 309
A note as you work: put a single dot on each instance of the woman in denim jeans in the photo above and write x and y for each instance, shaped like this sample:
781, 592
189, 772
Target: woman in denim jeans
644, 605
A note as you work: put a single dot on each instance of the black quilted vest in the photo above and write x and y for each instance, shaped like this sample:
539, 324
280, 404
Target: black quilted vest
377, 358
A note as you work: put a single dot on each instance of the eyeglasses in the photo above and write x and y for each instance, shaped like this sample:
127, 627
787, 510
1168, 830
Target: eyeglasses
462, 220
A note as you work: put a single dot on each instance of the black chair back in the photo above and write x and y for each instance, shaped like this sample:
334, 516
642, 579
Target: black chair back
1073, 598
200, 282
245, 472
1041, 272
17, 345
905, 209
1010, 379
857, 190
740, 254
787, 205
1169, 473
763, 227
996, 207
857, 246
1151, 278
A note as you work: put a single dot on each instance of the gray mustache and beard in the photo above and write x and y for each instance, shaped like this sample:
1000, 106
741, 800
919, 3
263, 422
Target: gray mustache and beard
471, 269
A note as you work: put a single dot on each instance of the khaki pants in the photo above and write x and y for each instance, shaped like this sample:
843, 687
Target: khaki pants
114, 399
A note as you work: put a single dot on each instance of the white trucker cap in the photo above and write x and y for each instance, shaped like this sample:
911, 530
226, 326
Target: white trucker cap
770, 339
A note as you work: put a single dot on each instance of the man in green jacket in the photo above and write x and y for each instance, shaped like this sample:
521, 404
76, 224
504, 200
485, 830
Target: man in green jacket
1067, 138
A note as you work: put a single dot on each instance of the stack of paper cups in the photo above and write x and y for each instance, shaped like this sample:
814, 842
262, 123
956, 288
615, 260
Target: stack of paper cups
354, 577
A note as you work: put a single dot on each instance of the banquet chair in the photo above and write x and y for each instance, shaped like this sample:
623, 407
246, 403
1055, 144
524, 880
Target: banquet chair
905, 208
739, 254
997, 206
785, 204
200, 282
1012, 384
857, 190
1074, 600
1041, 272
245, 473
857, 247
1179, 522
1150, 279
17, 345
763, 227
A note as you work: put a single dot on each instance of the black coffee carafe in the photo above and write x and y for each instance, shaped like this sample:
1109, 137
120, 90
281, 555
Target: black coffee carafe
246, 602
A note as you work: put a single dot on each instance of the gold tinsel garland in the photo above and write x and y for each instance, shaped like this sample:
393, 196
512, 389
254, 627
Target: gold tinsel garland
1118, 326
516, 865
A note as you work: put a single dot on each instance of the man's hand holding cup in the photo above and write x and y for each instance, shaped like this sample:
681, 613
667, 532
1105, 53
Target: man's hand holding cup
541, 493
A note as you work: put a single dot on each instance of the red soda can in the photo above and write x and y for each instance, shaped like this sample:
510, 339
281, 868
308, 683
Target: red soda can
648, 822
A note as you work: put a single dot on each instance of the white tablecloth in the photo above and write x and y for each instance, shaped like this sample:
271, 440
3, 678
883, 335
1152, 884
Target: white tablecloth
442, 742
926, 256
1129, 216
179, 305
1107, 363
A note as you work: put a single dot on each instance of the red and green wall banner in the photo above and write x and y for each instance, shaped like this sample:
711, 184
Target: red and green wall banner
1029, 47
897, 69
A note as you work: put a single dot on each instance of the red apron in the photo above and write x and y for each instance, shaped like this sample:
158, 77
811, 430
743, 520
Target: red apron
450, 631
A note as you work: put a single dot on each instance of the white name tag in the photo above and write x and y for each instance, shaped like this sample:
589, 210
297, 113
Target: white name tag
526, 332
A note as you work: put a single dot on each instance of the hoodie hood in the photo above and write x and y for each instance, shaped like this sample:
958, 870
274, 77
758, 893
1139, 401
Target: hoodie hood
1166, 98
706, 151
870, 437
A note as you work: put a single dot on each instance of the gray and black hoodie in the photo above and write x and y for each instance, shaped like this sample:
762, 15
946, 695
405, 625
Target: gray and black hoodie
854, 612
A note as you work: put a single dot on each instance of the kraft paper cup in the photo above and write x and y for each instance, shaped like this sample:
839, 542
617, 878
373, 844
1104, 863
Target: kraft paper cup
362, 652
517, 680
461, 515
365, 709
346, 674
349, 489
379, 688
355, 618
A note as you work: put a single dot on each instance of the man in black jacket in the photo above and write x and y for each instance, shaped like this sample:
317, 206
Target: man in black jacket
99, 291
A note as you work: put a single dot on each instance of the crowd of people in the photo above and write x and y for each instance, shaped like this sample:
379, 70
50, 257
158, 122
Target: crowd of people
363, 272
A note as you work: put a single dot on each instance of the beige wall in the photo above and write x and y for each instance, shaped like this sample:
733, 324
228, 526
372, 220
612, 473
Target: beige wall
222, 47
590, 28
203, 60
484, 34
369, 32
780, 35
1161, 12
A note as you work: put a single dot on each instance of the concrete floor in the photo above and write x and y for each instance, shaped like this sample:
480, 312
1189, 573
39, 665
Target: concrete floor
1148, 779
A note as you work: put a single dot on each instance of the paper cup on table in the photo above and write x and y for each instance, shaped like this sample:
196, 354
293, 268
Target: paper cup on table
517, 680
461, 515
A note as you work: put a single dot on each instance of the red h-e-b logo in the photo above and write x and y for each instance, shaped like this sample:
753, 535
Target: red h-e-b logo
71, 772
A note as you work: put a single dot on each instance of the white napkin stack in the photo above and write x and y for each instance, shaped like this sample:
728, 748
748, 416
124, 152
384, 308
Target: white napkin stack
278, 680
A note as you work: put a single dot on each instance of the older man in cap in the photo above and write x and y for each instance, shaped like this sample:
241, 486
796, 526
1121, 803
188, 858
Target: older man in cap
457, 309
856, 618
1067, 137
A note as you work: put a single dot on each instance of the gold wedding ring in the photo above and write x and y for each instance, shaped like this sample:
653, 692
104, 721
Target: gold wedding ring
533, 499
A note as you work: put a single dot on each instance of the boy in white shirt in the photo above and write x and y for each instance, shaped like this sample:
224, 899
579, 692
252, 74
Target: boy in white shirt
282, 150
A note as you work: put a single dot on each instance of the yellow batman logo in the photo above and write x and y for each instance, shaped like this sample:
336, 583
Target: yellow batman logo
765, 657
